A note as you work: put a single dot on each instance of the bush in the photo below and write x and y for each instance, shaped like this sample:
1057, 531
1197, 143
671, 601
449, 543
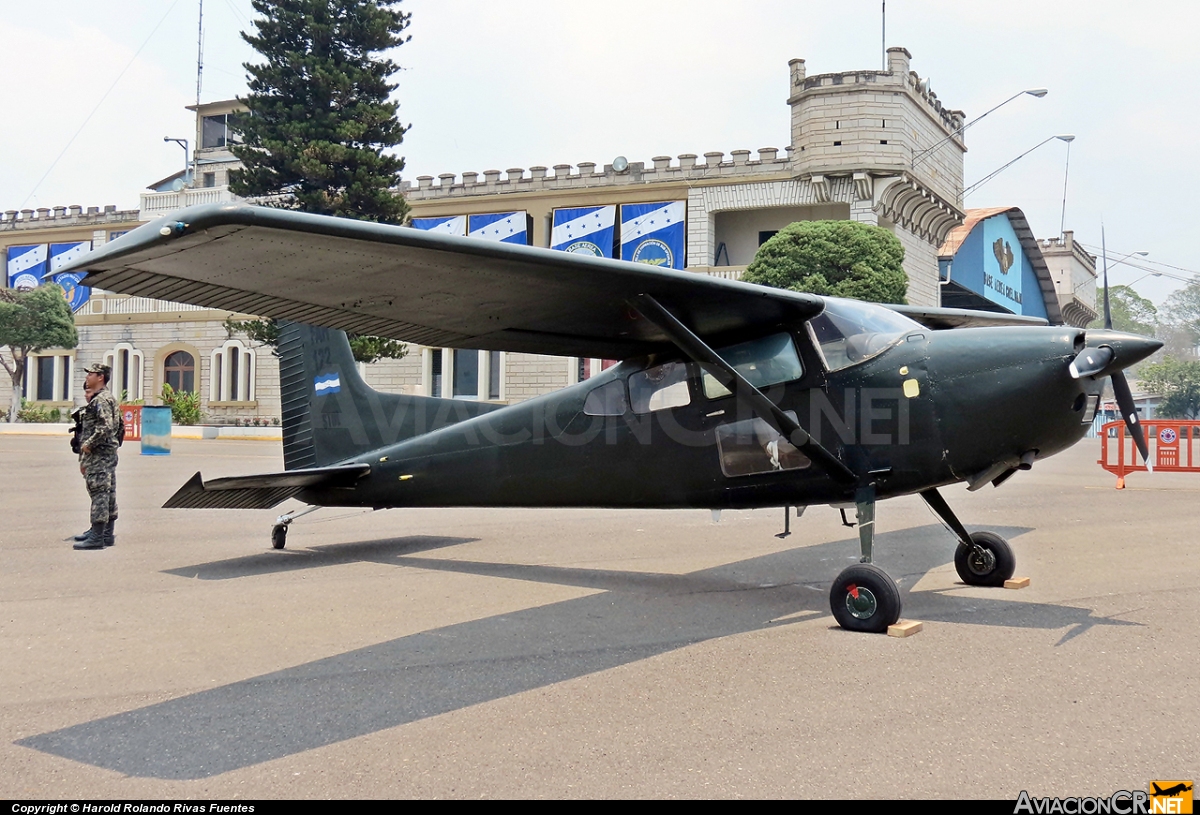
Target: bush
33, 413
185, 406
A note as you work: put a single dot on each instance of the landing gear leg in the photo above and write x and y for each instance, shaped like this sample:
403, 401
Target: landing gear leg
864, 597
279, 530
981, 558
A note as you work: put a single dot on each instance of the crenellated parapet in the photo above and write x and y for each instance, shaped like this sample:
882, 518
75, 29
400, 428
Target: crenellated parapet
72, 215
876, 122
687, 166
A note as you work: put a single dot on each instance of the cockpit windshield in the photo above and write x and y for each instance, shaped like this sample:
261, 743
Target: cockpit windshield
850, 332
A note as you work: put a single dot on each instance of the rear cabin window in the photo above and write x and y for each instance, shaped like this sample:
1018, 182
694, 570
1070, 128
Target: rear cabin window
606, 400
658, 388
766, 361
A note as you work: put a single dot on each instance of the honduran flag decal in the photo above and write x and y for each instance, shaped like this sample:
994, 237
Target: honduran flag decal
327, 383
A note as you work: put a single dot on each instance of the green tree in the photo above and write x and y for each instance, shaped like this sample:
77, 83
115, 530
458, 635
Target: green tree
30, 321
320, 117
1130, 311
320, 120
1178, 383
833, 258
1183, 310
364, 349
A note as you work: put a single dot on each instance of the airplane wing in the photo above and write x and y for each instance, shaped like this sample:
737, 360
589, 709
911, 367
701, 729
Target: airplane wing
941, 318
419, 287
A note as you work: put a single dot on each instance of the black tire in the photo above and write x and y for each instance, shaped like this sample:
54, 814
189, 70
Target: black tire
278, 536
992, 568
865, 598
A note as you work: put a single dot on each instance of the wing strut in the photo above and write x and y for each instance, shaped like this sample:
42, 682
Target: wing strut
751, 396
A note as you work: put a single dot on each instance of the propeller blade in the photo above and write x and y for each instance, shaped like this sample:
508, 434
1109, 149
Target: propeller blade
1104, 253
1091, 361
1129, 414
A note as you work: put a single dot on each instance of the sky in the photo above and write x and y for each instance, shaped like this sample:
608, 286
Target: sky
92, 88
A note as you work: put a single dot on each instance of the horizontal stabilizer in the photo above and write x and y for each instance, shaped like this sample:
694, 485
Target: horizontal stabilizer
261, 491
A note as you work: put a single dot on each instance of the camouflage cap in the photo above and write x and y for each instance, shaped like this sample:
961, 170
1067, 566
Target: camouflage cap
103, 370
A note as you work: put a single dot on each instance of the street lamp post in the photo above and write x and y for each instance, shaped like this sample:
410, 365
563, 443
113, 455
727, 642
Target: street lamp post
1037, 93
186, 156
1067, 137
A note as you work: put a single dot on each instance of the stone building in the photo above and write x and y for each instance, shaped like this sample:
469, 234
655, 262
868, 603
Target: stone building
872, 146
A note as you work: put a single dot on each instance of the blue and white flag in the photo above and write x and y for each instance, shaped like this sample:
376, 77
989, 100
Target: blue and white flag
27, 265
506, 227
585, 230
654, 233
60, 255
454, 225
327, 383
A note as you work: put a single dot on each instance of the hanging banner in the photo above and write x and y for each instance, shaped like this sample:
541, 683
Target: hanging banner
585, 230
60, 255
454, 225
26, 265
654, 233
506, 227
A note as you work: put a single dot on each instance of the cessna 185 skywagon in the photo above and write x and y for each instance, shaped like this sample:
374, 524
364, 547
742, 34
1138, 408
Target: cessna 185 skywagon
729, 395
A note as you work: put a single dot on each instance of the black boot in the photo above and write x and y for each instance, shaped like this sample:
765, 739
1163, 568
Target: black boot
95, 538
109, 538
82, 536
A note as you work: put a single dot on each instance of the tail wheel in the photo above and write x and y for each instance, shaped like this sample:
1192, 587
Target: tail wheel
989, 562
278, 536
865, 598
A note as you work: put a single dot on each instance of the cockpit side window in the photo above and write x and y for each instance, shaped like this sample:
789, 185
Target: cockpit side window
850, 332
765, 361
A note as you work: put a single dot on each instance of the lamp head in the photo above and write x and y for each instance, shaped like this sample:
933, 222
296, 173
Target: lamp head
1038, 92
1067, 137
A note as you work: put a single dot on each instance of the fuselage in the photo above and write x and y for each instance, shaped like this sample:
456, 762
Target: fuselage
905, 407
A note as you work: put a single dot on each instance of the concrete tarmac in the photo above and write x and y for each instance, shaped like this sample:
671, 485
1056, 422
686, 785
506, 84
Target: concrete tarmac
586, 653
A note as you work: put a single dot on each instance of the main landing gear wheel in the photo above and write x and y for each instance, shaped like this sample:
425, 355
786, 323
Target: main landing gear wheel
989, 562
278, 536
864, 598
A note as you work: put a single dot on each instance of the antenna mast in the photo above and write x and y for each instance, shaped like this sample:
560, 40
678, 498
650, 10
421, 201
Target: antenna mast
199, 52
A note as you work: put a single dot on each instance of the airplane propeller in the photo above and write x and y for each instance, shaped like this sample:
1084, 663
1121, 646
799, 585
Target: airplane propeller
1094, 361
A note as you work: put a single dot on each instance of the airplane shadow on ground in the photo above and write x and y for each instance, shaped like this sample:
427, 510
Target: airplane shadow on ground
634, 616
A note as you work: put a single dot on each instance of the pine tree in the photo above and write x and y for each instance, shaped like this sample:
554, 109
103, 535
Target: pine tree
319, 120
319, 115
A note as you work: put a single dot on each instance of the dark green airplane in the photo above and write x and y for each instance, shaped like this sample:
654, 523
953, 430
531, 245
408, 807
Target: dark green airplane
729, 395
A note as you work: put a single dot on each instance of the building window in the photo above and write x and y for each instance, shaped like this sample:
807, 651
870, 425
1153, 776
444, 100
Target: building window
126, 363
210, 179
217, 131
466, 374
232, 373
48, 378
456, 373
179, 371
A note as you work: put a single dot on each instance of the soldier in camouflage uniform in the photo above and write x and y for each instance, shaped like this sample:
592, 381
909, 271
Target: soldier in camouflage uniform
98, 456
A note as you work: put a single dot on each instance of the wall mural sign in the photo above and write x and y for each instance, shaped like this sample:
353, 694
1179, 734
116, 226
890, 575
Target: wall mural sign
584, 230
27, 265
505, 227
1003, 264
653, 233
60, 255
454, 225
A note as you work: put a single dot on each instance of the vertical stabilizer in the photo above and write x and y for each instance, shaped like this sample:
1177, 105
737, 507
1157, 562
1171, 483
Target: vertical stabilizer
331, 415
